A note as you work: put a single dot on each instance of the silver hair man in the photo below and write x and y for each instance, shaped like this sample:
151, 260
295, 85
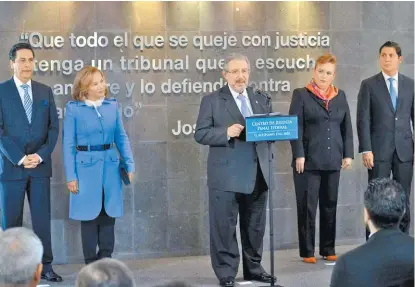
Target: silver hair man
20, 257
235, 56
105, 272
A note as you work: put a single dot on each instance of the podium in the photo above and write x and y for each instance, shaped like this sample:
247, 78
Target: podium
270, 128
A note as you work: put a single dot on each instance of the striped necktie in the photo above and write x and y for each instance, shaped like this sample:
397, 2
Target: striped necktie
27, 102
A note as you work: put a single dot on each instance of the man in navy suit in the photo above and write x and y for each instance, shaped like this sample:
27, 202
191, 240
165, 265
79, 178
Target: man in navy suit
385, 110
29, 129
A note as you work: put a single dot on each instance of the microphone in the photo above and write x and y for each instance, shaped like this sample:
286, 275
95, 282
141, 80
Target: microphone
261, 93
264, 94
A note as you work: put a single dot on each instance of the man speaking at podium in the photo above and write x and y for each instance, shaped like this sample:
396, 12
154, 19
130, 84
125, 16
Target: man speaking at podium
236, 174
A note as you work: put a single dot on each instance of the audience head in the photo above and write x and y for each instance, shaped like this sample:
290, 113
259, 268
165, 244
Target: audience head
106, 272
385, 202
21, 254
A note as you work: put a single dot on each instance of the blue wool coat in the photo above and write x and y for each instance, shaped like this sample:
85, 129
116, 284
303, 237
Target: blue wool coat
95, 171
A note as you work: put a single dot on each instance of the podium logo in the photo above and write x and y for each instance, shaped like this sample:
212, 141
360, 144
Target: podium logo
185, 129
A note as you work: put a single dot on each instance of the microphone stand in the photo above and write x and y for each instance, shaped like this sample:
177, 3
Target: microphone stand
270, 203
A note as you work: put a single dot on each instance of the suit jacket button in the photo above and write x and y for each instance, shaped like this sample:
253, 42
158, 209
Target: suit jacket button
328, 148
396, 119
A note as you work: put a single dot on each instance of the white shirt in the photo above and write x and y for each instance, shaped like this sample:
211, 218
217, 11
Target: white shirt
395, 82
239, 102
21, 94
21, 90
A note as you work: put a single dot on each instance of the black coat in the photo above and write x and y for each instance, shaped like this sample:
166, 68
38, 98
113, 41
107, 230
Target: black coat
380, 129
325, 137
385, 260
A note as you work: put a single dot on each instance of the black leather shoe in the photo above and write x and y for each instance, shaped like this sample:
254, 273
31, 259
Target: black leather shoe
227, 282
51, 276
263, 277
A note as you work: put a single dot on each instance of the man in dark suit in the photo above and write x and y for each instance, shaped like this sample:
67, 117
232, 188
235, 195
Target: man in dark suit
29, 129
385, 109
237, 174
387, 258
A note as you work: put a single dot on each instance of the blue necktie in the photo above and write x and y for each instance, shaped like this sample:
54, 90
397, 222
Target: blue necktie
27, 102
244, 106
392, 92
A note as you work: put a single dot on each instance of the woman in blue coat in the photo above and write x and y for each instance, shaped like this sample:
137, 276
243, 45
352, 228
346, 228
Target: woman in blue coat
92, 129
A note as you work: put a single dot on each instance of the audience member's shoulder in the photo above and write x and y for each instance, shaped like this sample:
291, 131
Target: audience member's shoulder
357, 252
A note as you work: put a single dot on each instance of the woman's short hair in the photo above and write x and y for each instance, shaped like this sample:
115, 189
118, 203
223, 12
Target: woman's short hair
83, 81
326, 58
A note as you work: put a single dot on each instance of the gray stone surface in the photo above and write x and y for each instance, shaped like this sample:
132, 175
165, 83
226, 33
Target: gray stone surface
345, 15
197, 270
314, 15
166, 207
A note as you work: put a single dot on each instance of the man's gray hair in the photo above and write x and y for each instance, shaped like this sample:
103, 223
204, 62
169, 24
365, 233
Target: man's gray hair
235, 56
21, 253
105, 272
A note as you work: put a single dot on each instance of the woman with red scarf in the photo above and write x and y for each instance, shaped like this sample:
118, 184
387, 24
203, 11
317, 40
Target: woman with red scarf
323, 148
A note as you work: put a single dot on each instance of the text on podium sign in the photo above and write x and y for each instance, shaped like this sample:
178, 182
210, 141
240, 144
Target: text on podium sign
271, 128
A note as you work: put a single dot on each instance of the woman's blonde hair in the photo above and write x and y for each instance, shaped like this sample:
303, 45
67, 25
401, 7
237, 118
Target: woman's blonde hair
326, 58
83, 81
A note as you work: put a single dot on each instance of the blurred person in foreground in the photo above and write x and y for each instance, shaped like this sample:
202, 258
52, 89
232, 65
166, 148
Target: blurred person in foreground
387, 258
20, 258
106, 272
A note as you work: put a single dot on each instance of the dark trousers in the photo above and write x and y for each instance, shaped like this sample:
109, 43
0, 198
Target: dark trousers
98, 232
402, 173
311, 187
38, 195
224, 207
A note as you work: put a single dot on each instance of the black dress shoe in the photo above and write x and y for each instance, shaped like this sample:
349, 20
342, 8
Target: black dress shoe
263, 277
51, 276
227, 282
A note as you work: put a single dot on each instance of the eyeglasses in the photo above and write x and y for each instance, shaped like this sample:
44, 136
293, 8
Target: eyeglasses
243, 72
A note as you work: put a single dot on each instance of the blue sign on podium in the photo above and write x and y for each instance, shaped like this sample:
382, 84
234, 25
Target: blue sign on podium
272, 127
